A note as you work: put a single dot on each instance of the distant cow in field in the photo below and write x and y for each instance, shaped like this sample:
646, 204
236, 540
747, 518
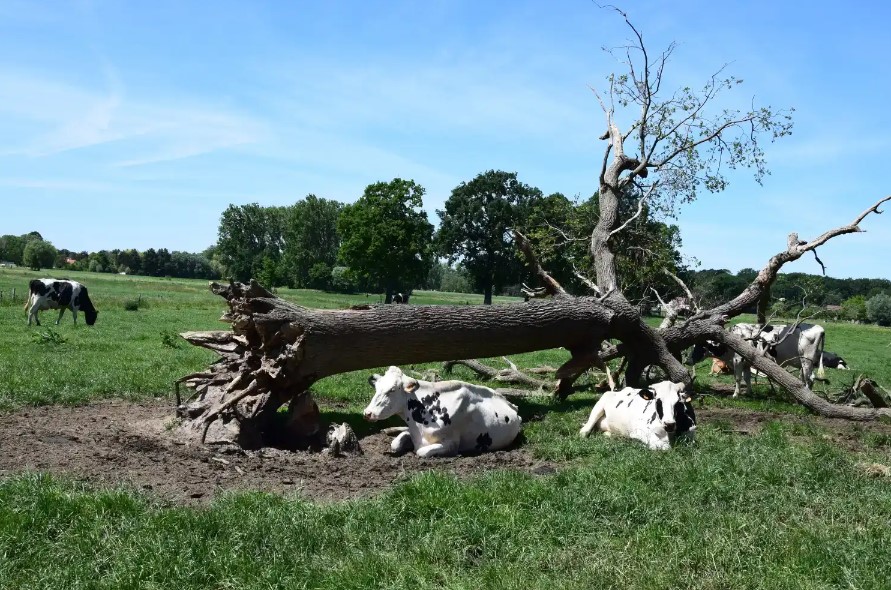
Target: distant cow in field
59, 294
401, 297
444, 418
656, 415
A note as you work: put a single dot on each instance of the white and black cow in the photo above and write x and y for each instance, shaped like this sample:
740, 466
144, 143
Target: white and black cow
799, 346
59, 294
656, 416
833, 361
443, 417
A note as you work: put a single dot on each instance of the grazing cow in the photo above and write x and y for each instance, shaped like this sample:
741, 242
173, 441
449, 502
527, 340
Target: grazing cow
833, 361
59, 294
801, 347
445, 417
656, 416
401, 297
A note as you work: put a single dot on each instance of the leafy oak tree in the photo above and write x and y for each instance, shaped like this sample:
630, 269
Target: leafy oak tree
38, 254
251, 241
475, 227
386, 237
311, 241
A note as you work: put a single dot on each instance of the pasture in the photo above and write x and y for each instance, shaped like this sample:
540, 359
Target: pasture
93, 496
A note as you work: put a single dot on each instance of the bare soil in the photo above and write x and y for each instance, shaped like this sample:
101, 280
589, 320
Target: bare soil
119, 442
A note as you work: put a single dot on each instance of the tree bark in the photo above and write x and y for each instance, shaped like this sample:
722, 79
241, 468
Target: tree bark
277, 350
487, 294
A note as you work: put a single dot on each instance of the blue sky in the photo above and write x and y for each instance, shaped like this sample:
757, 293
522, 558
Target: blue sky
134, 124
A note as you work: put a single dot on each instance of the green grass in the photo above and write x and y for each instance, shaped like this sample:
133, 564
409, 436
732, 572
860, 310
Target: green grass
729, 512
780, 509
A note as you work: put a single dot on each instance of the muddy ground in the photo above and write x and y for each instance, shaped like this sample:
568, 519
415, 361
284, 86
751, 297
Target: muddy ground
119, 442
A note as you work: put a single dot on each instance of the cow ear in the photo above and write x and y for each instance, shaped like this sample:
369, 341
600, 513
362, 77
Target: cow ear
410, 385
687, 399
373, 379
647, 394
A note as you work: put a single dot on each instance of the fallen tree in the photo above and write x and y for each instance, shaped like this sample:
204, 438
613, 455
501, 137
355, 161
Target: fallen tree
277, 350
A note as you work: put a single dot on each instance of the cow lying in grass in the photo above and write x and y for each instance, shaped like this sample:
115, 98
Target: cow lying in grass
59, 294
444, 418
655, 416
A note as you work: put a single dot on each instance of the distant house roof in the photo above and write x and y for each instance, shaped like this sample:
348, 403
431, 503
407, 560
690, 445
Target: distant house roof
833, 307
70, 261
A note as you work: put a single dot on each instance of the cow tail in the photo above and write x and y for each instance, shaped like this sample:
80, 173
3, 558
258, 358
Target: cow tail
821, 374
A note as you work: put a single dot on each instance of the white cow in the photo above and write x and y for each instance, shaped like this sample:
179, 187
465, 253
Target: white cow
655, 416
802, 348
445, 417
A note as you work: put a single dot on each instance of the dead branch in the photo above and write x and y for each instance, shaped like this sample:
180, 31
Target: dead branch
551, 286
509, 375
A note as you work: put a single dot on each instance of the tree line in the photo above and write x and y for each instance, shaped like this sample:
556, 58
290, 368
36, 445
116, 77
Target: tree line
384, 242
33, 251
860, 300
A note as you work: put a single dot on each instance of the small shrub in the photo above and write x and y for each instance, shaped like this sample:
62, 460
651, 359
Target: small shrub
170, 339
878, 308
134, 304
48, 336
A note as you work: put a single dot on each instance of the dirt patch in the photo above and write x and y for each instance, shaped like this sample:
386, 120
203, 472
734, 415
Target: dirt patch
119, 442
845, 433
114, 442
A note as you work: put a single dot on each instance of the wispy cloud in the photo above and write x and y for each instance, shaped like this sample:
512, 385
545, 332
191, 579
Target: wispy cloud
67, 117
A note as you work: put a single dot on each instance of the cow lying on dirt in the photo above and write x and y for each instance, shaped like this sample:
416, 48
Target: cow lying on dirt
655, 416
445, 417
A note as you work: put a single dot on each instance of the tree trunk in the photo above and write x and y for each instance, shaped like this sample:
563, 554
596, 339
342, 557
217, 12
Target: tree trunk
487, 294
277, 350
389, 295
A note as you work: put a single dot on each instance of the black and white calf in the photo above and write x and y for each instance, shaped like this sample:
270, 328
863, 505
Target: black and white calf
445, 417
59, 294
656, 416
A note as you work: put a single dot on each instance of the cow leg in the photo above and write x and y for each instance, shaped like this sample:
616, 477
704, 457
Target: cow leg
61, 313
402, 443
738, 370
598, 413
436, 450
658, 443
74, 313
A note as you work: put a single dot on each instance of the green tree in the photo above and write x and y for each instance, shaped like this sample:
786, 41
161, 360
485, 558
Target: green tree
559, 230
386, 237
251, 241
475, 228
311, 238
878, 309
854, 308
12, 249
39, 254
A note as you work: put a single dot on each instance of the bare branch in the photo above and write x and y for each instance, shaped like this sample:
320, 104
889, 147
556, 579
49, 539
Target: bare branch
585, 280
684, 286
795, 249
551, 285
640, 205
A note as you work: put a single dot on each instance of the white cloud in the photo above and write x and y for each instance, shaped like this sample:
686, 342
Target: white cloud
68, 117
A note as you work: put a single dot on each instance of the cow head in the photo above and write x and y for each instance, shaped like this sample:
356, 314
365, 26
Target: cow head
391, 392
91, 315
673, 406
708, 348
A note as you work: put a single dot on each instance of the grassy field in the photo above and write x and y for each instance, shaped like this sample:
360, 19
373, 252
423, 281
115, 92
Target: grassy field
783, 508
